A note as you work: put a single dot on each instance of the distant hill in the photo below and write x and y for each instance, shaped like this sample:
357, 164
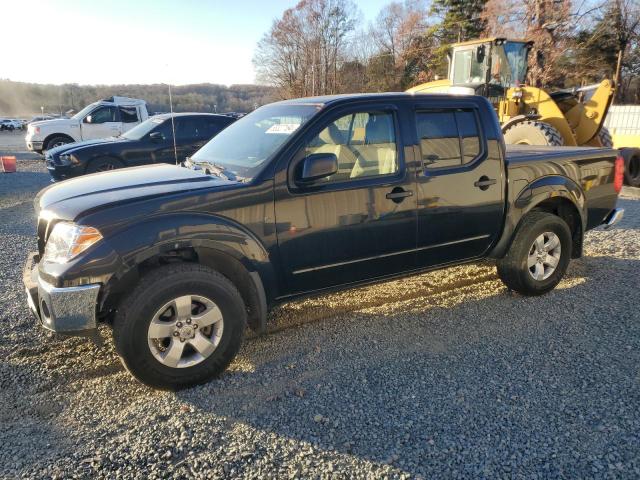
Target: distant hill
24, 99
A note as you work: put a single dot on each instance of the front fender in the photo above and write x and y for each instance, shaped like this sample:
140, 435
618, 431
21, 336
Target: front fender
551, 187
176, 231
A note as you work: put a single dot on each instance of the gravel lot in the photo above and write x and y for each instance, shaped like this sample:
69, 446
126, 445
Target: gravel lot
444, 375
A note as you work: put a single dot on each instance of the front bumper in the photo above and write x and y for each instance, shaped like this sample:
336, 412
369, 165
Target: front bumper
34, 146
69, 311
58, 172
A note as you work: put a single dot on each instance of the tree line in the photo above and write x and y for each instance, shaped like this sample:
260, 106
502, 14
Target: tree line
322, 47
24, 99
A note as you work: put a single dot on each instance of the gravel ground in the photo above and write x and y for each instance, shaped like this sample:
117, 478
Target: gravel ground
443, 375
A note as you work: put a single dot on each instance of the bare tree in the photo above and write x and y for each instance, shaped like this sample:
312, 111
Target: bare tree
396, 33
623, 17
302, 51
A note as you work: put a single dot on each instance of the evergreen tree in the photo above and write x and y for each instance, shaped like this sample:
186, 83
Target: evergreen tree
461, 19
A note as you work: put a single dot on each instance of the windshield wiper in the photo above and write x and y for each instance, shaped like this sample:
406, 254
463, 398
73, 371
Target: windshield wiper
211, 168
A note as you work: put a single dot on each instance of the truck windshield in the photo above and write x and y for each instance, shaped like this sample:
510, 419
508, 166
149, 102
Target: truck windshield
516, 53
84, 112
244, 146
139, 131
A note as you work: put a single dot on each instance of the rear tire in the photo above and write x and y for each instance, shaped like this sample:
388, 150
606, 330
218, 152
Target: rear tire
532, 132
539, 254
142, 352
103, 164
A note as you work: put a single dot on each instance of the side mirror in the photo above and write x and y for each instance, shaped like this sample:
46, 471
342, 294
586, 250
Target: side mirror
88, 119
317, 166
156, 136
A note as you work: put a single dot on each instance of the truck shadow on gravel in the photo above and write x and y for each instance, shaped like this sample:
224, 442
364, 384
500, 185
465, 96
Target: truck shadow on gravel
501, 379
458, 374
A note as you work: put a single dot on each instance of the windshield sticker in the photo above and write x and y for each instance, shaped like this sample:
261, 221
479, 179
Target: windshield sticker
287, 128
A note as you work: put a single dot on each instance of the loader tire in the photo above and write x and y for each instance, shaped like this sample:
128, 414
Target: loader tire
604, 136
631, 166
531, 132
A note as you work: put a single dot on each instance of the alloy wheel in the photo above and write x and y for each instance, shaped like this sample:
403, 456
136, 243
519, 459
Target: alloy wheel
185, 331
544, 256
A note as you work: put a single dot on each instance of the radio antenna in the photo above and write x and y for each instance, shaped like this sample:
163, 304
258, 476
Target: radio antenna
173, 126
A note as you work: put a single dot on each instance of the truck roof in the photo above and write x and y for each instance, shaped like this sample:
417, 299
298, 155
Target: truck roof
190, 114
326, 100
124, 100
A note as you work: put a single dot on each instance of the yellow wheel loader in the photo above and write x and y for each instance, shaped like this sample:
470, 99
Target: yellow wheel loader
496, 68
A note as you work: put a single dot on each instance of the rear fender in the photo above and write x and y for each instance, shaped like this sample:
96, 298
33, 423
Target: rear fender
552, 191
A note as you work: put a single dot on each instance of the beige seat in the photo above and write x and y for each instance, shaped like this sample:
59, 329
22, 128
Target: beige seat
333, 141
377, 156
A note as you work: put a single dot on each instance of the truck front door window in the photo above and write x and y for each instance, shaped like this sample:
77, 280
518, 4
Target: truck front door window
103, 115
101, 123
364, 144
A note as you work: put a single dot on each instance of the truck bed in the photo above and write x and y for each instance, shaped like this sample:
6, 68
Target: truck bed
537, 153
591, 169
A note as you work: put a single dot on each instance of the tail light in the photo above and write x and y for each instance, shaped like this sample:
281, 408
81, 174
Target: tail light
618, 174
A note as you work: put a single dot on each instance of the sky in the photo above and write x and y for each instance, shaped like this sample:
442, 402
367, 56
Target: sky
138, 41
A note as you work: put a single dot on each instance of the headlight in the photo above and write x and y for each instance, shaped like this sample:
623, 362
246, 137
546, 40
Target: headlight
67, 240
65, 160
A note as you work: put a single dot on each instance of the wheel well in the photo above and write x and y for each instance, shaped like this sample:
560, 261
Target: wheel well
53, 135
103, 157
566, 210
222, 262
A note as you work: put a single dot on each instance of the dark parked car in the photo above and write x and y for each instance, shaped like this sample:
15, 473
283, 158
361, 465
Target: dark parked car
301, 197
147, 143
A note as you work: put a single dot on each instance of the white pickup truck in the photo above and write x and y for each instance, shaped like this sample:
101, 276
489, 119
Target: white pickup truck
106, 118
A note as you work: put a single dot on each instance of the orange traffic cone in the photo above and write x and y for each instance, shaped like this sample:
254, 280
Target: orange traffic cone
8, 164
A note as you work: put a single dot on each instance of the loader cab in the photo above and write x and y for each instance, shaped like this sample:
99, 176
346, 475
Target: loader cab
489, 67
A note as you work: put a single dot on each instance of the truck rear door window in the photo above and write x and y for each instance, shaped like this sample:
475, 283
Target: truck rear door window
470, 135
448, 138
439, 139
128, 114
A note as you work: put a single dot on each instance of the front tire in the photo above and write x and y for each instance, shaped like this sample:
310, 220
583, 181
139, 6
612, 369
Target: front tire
57, 141
104, 164
539, 255
180, 326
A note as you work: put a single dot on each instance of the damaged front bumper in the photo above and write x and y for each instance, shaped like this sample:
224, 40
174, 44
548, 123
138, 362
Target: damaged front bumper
68, 310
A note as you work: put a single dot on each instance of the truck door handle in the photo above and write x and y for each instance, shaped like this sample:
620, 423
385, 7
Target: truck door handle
484, 182
398, 194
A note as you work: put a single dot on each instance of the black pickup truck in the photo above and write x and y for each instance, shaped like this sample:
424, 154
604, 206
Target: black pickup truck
297, 198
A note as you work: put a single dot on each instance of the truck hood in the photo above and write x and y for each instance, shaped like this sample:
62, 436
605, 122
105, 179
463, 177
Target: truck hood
69, 199
55, 123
